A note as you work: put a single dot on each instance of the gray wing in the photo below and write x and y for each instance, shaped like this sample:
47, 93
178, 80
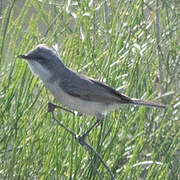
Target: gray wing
91, 90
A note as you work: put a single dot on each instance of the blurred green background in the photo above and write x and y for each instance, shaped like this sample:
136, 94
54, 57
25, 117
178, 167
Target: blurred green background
133, 46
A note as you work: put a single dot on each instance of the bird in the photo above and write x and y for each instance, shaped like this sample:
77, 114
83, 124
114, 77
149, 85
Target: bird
75, 91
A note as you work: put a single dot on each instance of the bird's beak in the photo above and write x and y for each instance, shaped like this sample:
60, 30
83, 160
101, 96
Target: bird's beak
23, 57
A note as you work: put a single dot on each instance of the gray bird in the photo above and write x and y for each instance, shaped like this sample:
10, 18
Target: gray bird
76, 91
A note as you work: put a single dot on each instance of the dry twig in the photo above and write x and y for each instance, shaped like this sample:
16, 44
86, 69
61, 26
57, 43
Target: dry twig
80, 139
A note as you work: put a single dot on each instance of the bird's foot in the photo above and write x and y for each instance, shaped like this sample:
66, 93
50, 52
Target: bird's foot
81, 139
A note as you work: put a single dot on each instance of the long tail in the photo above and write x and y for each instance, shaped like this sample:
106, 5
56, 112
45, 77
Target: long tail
147, 103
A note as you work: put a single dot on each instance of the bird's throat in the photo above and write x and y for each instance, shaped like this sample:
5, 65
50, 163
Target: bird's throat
37, 69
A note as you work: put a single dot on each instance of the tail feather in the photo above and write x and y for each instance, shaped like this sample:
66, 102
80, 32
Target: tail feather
147, 103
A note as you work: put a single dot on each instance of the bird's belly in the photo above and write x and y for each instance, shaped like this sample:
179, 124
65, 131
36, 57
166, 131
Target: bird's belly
75, 103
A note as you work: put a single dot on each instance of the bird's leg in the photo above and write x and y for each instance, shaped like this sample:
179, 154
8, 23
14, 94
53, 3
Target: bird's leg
79, 114
54, 106
99, 120
81, 138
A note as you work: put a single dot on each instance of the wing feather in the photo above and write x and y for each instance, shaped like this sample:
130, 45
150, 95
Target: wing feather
85, 88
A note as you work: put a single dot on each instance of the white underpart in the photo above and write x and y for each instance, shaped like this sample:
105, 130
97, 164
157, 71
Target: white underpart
74, 103
39, 70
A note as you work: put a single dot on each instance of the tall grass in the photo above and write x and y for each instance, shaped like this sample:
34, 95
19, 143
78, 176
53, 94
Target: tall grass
131, 45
